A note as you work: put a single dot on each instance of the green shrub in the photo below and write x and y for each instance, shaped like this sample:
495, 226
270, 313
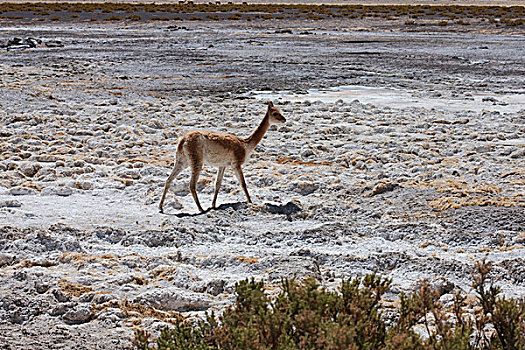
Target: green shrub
506, 315
306, 316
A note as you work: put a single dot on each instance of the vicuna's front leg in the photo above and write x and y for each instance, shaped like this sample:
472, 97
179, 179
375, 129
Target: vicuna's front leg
180, 164
240, 177
218, 182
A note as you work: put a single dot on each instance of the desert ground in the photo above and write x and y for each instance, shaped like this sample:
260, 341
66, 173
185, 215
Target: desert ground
403, 153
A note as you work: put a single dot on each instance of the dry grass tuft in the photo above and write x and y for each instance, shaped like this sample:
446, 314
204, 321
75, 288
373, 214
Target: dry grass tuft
74, 289
248, 260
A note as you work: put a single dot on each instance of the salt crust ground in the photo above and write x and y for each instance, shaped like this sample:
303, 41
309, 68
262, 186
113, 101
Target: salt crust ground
349, 185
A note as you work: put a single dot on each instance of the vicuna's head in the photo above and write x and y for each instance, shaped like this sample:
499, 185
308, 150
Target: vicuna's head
275, 115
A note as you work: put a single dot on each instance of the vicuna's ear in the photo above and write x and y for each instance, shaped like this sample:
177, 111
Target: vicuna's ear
270, 104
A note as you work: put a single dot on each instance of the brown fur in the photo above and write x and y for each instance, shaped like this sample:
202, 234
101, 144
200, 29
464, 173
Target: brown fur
200, 147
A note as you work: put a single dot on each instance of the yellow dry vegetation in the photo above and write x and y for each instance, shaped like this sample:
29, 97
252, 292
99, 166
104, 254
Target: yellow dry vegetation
77, 259
287, 160
248, 260
458, 193
520, 172
165, 273
31, 185
74, 289
138, 311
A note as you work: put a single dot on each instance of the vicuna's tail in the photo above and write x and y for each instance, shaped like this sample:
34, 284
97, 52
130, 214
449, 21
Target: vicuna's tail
180, 146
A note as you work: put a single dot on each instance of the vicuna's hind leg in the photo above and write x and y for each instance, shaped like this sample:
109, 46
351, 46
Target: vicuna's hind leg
180, 165
240, 177
196, 168
218, 182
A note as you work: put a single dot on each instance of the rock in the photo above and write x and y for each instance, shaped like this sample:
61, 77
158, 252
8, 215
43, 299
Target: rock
20, 44
43, 241
46, 158
174, 299
83, 185
86, 297
104, 298
129, 174
489, 99
307, 153
517, 154
483, 148
288, 209
61, 309
60, 295
156, 124
304, 187
441, 285
111, 314
29, 170
383, 187
21, 191
296, 267
215, 287
78, 315
10, 203
110, 234
42, 286
56, 191
7, 259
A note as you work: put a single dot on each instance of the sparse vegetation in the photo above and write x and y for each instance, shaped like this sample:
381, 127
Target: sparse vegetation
114, 18
509, 16
133, 18
306, 316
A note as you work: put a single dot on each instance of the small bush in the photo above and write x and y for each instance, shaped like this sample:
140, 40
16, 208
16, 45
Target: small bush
306, 316
133, 18
235, 17
114, 18
463, 23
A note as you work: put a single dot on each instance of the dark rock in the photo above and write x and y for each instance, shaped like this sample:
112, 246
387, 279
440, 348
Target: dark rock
287, 209
60, 296
110, 234
7, 259
78, 315
10, 204
215, 287
383, 188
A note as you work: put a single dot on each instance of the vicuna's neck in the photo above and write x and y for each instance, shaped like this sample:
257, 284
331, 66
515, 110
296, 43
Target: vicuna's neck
253, 140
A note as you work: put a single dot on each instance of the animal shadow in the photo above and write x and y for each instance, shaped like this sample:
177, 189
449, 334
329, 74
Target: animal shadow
222, 207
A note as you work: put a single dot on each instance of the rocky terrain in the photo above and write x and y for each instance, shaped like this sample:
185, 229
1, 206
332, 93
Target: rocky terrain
403, 153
